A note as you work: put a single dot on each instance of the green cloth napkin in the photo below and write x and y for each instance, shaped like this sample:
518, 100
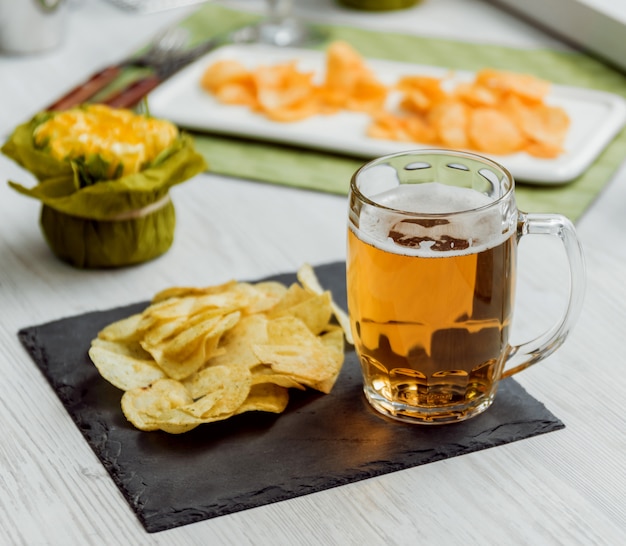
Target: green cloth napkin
315, 170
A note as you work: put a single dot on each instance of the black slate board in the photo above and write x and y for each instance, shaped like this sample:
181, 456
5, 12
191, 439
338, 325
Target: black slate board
319, 442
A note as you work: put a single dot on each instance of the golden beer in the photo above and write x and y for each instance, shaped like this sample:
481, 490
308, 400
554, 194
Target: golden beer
430, 301
431, 267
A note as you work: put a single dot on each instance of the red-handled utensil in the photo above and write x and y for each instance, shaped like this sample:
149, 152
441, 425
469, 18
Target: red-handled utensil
166, 47
87, 90
132, 94
165, 57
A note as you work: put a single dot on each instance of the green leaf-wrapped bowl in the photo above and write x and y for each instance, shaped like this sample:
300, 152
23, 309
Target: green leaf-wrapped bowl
98, 223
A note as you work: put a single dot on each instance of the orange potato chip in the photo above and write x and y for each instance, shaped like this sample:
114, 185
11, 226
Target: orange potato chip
419, 130
294, 112
283, 87
499, 112
345, 68
385, 125
368, 95
415, 100
238, 94
475, 94
545, 124
492, 131
543, 150
224, 72
450, 121
420, 92
525, 86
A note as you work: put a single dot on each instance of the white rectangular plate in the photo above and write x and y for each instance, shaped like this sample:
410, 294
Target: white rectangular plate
596, 116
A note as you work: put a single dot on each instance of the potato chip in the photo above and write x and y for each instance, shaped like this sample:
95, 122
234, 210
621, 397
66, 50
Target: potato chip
184, 354
168, 309
474, 94
268, 294
420, 93
200, 355
292, 349
368, 95
231, 82
307, 277
282, 85
217, 378
544, 150
284, 93
349, 82
176, 421
450, 121
265, 374
333, 341
143, 405
492, 131
225, 72
237, 342
265, 397
127, 348
525, 86
540, 123
160, 330
404, 128
313, 309
182, 291
233, 383
122, 330
238, 94
125, 371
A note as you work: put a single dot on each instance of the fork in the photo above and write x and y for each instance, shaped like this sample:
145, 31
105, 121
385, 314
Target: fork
132, 94
166, 46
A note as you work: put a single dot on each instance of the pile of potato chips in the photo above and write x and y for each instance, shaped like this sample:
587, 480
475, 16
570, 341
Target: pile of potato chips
198, 355
282, 92
499, 112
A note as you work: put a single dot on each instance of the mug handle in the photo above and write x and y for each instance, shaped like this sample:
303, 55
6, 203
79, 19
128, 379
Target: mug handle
526, 354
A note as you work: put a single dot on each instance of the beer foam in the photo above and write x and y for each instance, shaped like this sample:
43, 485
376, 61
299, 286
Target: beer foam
459, 233
432, 198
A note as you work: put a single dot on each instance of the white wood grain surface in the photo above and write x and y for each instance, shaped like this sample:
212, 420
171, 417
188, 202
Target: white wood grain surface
565, 487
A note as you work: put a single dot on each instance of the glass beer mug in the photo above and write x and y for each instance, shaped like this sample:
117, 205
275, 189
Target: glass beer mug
431, 268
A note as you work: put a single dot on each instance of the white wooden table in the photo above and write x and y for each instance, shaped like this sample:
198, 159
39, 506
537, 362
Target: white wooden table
565, 487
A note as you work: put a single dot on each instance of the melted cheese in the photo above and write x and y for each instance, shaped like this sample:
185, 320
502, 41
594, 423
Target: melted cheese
119, 137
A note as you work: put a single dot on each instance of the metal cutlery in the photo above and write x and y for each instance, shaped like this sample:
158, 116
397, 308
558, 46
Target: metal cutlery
165, 56
166, 45
130, 95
